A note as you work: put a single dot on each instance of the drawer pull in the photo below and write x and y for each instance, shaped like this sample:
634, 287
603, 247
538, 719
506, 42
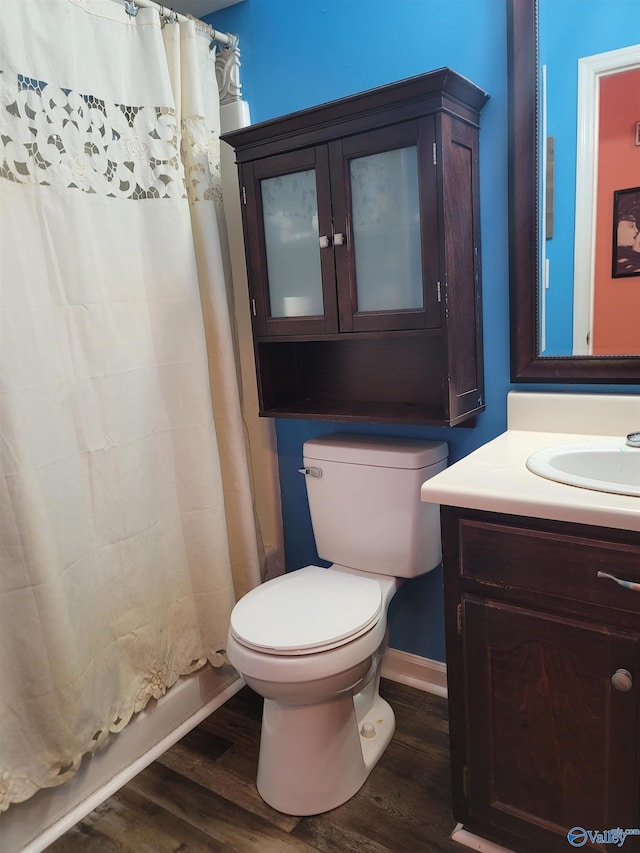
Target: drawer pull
622, 681
627, 584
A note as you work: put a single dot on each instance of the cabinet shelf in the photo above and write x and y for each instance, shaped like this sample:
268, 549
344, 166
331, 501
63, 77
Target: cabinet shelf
365, 410
376, 378
398, 335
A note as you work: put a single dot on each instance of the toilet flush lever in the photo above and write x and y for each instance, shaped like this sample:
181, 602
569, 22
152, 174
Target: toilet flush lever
311, 472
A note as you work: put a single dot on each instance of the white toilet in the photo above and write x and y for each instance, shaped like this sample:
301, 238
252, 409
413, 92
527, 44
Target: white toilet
311, 642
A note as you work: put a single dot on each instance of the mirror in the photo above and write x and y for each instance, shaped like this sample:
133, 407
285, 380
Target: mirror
527, 201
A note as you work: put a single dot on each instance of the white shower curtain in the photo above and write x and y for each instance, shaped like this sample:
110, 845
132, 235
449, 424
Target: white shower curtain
119, 544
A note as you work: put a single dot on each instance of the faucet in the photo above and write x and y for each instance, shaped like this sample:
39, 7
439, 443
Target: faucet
633, 439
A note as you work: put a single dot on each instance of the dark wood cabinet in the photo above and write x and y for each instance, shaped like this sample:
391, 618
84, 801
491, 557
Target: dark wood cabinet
542, 661
362, 238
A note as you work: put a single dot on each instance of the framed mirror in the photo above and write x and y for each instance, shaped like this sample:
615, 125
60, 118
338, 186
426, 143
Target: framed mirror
529, 189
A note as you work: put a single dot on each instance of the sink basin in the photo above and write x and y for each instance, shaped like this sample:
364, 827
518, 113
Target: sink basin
604, 465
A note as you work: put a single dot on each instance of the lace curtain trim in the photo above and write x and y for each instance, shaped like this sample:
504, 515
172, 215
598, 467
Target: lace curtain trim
16, 789
57, 137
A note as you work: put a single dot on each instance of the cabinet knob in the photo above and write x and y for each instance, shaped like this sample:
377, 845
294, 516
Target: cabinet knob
622, 681
338, 239
325, 241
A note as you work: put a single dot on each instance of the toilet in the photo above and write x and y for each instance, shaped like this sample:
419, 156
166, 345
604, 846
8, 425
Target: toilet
312, 641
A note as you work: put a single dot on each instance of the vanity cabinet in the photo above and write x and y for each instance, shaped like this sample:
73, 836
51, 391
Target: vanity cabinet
362, 239
542, 662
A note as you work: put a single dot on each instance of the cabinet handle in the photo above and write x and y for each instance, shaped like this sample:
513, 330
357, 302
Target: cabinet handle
626, 584
325, 241
622, 681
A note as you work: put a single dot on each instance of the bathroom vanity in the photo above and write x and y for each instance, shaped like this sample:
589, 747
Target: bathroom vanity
542, 653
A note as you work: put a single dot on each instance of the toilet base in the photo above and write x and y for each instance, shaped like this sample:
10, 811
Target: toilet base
316, 757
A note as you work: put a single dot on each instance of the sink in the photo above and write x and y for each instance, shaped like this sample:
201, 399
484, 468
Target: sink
603, 465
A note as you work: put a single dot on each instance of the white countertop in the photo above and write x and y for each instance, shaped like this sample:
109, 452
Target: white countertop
495, 478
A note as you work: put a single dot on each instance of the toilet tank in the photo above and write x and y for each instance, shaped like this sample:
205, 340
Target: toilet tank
364, 497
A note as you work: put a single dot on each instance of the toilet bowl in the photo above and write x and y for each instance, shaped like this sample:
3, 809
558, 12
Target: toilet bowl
324, 724
312, 642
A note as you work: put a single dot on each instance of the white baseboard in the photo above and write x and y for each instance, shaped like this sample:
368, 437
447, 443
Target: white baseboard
481, 845
414, 671
33, 825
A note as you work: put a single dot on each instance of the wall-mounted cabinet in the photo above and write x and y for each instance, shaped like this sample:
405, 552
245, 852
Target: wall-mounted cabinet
362, 238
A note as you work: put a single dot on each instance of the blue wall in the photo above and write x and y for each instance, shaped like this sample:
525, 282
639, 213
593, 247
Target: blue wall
299, 53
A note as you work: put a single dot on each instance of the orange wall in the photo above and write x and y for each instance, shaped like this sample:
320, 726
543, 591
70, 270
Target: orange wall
616, 300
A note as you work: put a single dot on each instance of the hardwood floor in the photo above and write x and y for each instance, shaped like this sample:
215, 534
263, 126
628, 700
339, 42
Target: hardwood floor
201, 795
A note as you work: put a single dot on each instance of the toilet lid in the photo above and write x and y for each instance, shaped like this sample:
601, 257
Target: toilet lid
311, 609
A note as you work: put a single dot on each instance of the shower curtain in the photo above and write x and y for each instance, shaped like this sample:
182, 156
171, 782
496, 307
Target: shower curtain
126, 522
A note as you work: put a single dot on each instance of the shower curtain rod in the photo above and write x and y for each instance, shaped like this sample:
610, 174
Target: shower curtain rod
132, 6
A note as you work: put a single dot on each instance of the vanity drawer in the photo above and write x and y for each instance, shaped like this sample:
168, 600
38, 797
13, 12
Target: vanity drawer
555, 563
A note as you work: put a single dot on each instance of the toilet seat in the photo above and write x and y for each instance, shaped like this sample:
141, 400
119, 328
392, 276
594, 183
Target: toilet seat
307, 611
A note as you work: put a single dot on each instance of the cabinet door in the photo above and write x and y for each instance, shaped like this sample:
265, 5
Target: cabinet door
288, 241
551, 743
385, 212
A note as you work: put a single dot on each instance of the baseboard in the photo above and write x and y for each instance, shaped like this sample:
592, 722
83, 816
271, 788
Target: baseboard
414, 671
33, 825
481, 845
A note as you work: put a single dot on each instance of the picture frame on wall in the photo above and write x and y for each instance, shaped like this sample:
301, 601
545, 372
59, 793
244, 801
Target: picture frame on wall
626, 233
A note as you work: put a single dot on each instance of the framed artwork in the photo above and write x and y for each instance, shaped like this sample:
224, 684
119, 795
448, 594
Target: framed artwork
626, 233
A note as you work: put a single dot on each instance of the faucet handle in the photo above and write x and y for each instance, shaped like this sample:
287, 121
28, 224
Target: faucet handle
633, 439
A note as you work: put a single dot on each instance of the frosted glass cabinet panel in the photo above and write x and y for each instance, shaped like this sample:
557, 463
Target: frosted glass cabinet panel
386, 230
290, 216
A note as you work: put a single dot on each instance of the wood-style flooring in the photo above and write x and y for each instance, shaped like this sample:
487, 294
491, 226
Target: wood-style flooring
201, 795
